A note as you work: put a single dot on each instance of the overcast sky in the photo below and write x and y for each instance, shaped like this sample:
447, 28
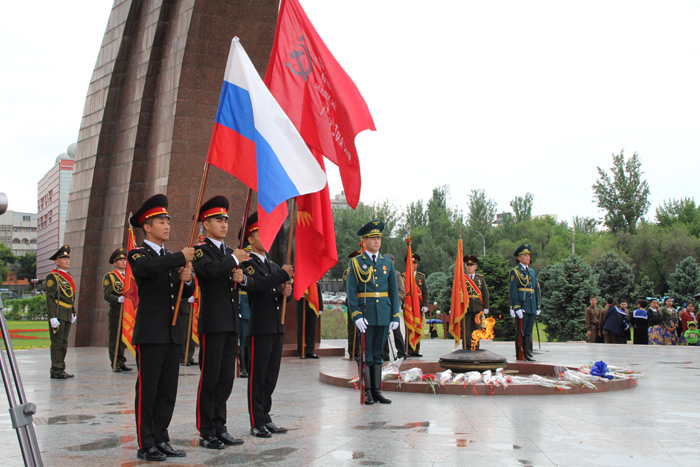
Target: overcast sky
508, 96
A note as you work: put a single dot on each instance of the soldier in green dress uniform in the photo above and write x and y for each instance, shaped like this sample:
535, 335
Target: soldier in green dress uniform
478, 299
524, 301
373, 304
60, 305
112, 288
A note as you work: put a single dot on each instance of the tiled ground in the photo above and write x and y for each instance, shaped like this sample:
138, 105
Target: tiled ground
89, 421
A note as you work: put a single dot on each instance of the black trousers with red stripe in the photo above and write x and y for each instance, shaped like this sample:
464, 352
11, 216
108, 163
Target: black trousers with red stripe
265, 358
217, 363
156, 391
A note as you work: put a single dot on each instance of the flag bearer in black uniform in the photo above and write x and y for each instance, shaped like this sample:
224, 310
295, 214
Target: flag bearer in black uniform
216, 266
307, 315
373, 304
265, 284
112, 288
60, 306
421, 282
158, 273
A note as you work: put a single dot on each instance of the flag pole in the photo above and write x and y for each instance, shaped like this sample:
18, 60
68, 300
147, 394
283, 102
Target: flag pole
189, 337
289, 249
192, 234
303, 330
243, 226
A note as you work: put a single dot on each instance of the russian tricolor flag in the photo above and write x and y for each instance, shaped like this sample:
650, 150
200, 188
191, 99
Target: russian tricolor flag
254, 140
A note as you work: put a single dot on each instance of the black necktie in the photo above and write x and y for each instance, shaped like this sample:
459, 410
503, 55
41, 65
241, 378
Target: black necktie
162, 251
223, 249
374, 259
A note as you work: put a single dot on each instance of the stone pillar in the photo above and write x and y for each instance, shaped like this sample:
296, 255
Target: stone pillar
146, 127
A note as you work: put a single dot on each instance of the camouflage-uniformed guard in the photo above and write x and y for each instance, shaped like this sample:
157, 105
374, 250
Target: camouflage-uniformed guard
112, 288
373, 304
478, 299
60, 301
524, 301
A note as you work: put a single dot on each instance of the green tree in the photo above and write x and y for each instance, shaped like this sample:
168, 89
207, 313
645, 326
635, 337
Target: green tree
624, 197
683, 211
522, 207
482, 211
615, 277
644, 289
6, 261
585, 225
495, 270
435, 283
684, 282
566, 288
26, 266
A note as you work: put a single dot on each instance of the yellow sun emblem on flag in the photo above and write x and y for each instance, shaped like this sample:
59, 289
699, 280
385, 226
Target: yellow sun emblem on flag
304, 219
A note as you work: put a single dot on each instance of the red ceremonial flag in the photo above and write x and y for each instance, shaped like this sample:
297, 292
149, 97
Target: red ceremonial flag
318, 96
315, 249
460, 296
311, 296
411, 312
131, 298
194, 309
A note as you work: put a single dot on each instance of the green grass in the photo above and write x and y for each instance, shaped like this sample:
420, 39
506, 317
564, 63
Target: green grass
38, 330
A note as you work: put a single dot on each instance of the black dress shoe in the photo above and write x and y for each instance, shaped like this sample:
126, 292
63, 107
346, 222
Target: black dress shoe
313, 355
63, 375
244, 374
169, 451
150, 454
226, 438
272, 428
117, 370
125, 368
260, 432
211, 442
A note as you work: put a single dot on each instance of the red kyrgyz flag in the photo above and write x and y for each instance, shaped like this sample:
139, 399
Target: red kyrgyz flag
311, 296
131, 298
411, 305
460, 296
315, 248
194, 309
318, 96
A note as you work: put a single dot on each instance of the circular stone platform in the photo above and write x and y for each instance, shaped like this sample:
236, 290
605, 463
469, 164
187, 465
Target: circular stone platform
341, 377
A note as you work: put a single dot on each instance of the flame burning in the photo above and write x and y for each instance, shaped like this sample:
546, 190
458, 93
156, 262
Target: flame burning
486, 333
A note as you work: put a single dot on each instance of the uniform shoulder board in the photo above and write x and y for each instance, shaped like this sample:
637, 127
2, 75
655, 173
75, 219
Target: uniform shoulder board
136, 253
418, 273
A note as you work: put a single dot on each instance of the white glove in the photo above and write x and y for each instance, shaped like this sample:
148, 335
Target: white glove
54, 322
424, 309
393, 325
519, 313
512, 313
73, 318
320, 312
486, 311
538, 312
190, 300
120, 299
361, 324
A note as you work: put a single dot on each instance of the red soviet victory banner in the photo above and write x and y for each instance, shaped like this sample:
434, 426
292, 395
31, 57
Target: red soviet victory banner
460, 296
315, 248
411, 311
318, 96
131, 298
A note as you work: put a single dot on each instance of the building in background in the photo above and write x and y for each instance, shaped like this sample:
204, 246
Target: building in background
18, 232
52, 198
339, 201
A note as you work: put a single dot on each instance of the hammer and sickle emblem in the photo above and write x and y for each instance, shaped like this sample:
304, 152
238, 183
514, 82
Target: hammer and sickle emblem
296, 55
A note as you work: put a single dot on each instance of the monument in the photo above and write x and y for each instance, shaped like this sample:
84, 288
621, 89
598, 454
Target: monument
146, 127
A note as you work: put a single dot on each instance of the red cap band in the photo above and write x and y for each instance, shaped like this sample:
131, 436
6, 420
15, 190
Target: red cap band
212, 212
152, 212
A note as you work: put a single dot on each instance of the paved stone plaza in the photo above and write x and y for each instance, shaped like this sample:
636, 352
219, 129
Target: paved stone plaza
89, 420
